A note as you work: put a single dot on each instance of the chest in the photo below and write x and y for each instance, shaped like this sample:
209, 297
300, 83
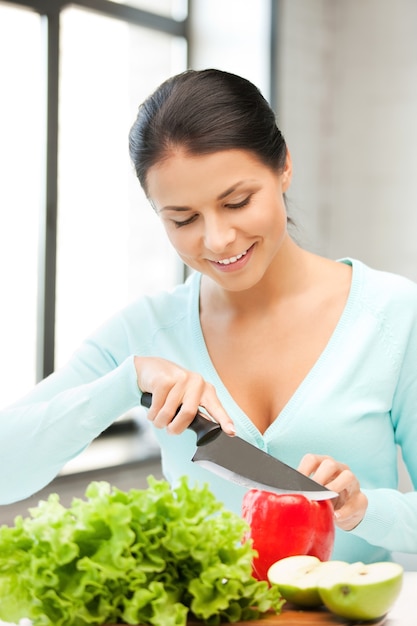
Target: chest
263, 362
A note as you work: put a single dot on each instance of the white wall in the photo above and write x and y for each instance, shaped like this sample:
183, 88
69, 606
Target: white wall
232, 35
348, 109
347, 94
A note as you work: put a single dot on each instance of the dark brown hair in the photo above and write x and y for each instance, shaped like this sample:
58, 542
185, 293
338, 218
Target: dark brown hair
204, 112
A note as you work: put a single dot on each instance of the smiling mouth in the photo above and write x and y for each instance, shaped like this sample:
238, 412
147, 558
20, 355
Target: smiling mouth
232, 259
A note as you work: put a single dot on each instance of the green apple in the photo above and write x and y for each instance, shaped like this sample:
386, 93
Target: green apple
297, 578
362, 592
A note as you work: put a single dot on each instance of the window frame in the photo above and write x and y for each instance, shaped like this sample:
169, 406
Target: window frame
50, 11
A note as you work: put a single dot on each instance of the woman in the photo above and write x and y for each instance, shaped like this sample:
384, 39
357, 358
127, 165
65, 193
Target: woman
311, 360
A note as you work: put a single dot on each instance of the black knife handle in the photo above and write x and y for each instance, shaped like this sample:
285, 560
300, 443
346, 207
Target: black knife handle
205, 429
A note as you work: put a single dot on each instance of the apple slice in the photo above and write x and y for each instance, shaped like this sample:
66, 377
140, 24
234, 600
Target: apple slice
362, 592
297, 578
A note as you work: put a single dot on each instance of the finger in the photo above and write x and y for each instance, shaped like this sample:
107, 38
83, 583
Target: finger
215, 409
329, 471
352, 513
166, 402
346, 485
177, 411
212, 409
158, 401
186, 397
309, 463
222, 418
348, 488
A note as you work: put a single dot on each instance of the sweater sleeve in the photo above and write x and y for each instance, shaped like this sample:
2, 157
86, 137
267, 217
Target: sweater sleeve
391, 517
390, 520
65, 412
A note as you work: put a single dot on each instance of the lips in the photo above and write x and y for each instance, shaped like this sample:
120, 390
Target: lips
233, 263
232, 259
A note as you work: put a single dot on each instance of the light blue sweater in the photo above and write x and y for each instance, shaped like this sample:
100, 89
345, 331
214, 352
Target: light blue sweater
357, 404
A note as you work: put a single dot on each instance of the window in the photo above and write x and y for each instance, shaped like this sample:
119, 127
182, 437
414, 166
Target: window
21, 146
172, 8
109, 244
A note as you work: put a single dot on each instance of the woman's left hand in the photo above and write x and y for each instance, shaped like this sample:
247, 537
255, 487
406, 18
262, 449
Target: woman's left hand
351, 505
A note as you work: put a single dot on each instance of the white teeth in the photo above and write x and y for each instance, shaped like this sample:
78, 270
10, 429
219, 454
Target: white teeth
232, 259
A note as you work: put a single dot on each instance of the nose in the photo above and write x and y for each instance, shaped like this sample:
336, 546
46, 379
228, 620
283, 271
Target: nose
218, 233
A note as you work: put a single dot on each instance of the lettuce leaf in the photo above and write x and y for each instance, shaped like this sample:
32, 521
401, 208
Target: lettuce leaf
152, 556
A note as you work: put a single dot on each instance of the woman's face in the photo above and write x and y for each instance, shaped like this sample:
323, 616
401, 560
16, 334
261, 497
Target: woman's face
224, 212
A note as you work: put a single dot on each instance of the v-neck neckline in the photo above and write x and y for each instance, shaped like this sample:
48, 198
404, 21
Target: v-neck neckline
244, 425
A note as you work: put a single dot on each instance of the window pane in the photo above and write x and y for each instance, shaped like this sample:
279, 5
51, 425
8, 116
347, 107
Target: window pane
111, 246
21, 167
170, 8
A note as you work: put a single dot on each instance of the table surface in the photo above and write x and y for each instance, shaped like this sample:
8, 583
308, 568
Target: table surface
403, 613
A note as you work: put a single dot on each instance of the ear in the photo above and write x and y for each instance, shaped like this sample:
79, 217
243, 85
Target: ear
287, 173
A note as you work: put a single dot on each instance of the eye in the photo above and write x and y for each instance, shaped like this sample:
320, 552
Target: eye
239, 205
179, 224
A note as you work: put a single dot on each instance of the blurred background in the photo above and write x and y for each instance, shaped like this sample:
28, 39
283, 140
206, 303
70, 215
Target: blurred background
77, 238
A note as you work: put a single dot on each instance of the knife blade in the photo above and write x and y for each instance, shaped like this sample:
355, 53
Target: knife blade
241, 462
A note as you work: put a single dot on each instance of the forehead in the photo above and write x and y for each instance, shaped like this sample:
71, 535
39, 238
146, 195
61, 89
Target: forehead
183, 176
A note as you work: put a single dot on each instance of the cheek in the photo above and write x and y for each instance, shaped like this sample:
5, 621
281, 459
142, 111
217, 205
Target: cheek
183, 242
271, 220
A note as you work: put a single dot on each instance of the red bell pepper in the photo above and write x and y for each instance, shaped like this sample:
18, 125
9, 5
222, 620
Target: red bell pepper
286, 525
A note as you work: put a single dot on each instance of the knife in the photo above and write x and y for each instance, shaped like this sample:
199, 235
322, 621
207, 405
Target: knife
237, 460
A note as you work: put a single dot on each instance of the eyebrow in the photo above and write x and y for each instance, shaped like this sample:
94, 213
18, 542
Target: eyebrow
223, 195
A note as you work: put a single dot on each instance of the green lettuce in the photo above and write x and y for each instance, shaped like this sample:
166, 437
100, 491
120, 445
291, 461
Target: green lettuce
152, 556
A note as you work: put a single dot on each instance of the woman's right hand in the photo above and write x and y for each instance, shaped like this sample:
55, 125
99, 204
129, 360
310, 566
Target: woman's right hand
173, 386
